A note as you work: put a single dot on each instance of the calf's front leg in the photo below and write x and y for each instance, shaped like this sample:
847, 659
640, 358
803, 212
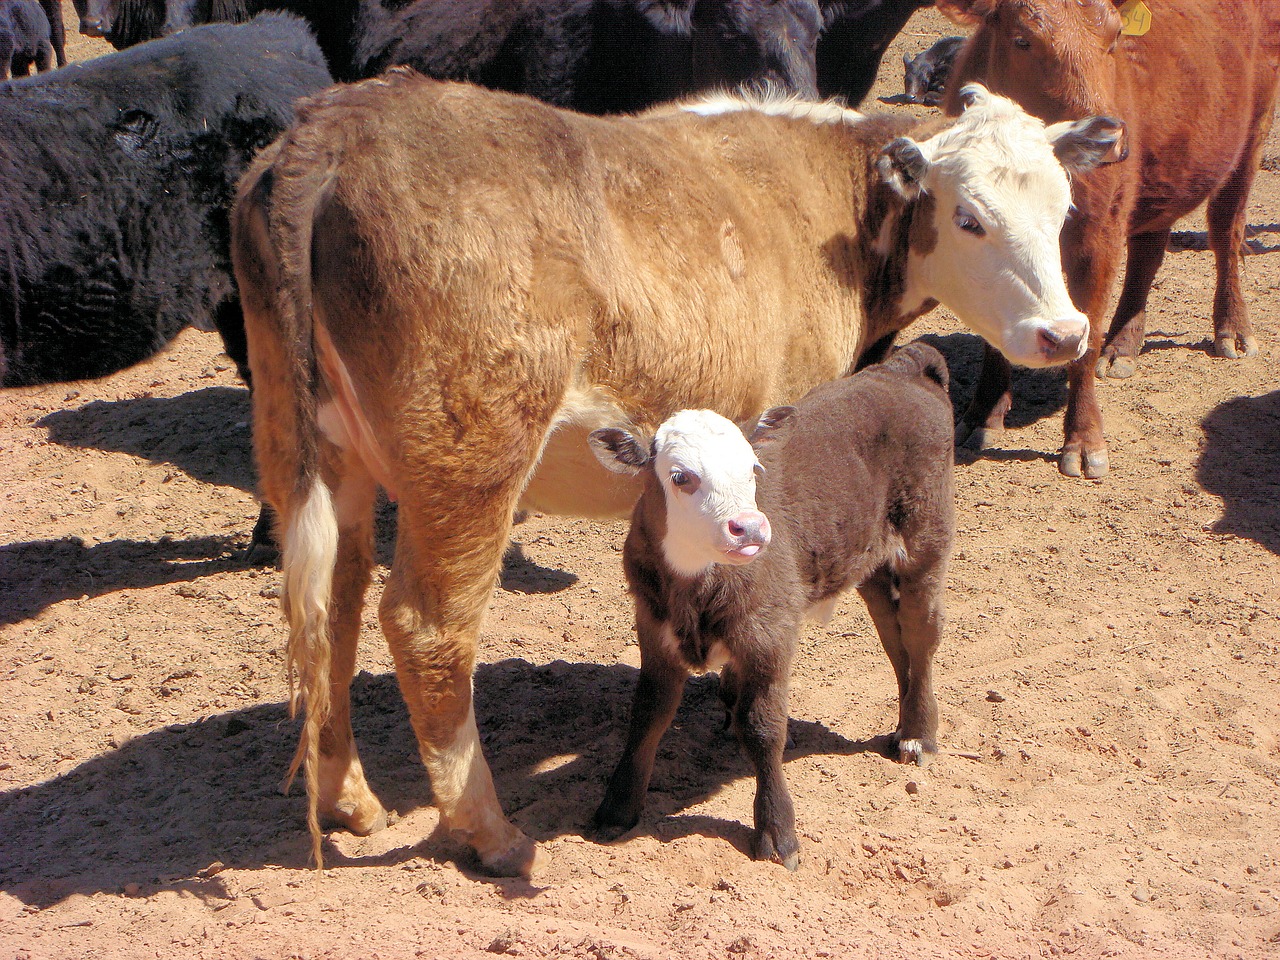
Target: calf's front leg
657, 696
760, 718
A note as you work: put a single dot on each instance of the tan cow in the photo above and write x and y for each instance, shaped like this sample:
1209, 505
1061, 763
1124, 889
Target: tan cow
447, 289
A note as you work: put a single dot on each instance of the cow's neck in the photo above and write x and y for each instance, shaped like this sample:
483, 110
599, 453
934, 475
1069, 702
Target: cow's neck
894, 227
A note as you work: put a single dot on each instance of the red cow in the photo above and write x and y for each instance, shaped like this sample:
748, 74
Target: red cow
1197, 92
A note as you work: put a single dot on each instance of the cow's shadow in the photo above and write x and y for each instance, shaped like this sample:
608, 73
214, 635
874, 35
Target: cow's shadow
204, 433
36, 574
1241, 464
167, 804
1036, 393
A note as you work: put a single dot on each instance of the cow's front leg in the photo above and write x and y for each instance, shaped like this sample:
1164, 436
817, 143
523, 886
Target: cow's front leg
657, 696
1094, 254
1226, 215
1128, 327
760, 717
982, 425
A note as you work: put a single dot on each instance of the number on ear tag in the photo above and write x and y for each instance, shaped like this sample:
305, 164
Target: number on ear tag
1135, 17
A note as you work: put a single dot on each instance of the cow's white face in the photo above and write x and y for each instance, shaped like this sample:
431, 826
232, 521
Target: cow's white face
996, 190
706, 469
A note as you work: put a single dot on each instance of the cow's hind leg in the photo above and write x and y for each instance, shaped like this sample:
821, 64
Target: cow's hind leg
1128, 327
657, 696
908, 616
1226, 215
448, 555
343, 794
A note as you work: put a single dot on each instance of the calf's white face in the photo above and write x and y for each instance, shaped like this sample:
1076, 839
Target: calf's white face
706, 469
1000, 194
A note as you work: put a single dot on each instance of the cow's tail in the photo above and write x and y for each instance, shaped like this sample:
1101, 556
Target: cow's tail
272, 228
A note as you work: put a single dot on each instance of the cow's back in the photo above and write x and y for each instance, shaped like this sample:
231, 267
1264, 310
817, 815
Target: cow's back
644, 248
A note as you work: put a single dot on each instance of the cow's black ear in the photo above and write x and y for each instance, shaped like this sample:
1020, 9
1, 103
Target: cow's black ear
134, 130
903, 167
1088, 143
619, 451
773, 426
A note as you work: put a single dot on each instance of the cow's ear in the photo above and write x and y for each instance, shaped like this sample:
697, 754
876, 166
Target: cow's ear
772, 427
903, 167
619, 451
135, 130
1087, 143
967, 13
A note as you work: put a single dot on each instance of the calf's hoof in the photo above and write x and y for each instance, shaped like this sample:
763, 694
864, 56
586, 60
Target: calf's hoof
1233, 347
1090, 464
1116, 366
521, 858
785, 851
915, 751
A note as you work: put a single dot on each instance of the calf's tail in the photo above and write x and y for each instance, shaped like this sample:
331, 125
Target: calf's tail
919, 359
272, 225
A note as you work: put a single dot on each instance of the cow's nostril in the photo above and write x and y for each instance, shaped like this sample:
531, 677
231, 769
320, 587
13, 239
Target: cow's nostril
736, 528
1050, 339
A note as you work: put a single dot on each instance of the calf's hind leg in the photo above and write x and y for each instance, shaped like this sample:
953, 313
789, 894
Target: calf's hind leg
908, 616
448, 555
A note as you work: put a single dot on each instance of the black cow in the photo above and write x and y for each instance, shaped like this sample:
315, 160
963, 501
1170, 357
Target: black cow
924, 76
24, 39
118, 177
597, 56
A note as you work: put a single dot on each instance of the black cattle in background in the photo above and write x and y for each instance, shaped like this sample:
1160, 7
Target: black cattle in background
24, 39
597, 56
118, 178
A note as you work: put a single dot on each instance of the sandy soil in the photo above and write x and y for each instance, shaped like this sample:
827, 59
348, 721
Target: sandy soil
1108, 683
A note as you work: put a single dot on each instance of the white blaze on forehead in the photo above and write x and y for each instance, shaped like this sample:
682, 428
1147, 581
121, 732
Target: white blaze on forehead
714, 456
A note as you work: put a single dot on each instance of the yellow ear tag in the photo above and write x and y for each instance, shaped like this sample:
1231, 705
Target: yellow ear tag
1135, 17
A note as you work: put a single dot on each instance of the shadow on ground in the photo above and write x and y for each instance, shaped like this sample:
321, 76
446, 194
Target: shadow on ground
1241, 464
168, 804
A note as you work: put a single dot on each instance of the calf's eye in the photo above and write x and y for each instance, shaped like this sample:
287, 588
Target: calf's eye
1022, 43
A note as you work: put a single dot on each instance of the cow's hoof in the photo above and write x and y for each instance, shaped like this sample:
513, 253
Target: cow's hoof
786, 852
1116, 366
1092, 465
978, 439
1233, 348
606, 828
521, 859
361, 820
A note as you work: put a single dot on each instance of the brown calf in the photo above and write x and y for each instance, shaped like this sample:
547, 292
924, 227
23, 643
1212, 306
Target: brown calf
1197, 92
856, 492
446, 289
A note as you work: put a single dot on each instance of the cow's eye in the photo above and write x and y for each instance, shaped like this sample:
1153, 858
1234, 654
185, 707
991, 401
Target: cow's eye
969, 223
1022, 43
686, 481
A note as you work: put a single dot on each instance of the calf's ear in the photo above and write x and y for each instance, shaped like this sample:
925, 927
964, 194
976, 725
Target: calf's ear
1088, 143
772, 427
903, 167
619, 451
967, 13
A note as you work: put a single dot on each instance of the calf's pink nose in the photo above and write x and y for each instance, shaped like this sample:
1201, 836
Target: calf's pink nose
750, 526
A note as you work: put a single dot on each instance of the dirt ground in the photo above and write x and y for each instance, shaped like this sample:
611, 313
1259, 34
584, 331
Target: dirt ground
1108, 686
